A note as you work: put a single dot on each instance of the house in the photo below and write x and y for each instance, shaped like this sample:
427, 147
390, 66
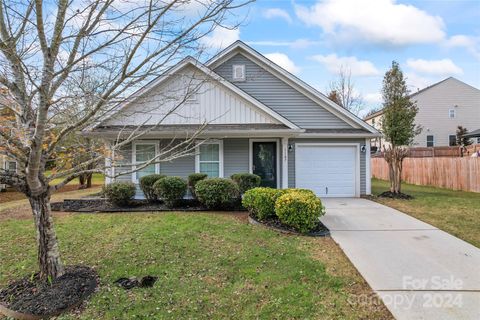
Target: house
7, 164
442, 107
259, 118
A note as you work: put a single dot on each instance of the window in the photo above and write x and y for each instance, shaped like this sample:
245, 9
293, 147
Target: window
373, 122
11, 166
209, 159
430, 141
452, 140
478, 140
238, 72
451, 113
142, 153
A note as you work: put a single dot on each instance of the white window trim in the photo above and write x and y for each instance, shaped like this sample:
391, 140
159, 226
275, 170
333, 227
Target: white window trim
250, 157
134, 156
454, 113
220, 156
6, 164
448, 139
234, 73
326, 144
426, 139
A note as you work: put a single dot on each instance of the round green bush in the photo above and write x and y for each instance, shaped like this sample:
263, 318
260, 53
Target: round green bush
217, 193
299, 209
171, 190
246, 181
119, 193
260, 202
193, 179
146, 184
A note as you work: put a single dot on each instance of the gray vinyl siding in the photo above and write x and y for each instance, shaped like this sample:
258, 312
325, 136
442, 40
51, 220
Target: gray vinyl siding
280, 96
181, 167
235, 156
291, 159
124, 157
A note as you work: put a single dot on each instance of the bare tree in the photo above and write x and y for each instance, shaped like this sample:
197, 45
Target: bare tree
48, 48
342, 92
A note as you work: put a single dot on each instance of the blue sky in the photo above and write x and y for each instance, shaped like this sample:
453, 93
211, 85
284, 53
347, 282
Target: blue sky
313, 39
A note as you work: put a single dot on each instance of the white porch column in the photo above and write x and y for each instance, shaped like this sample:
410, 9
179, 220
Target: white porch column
284, 163
108, 163
368, 171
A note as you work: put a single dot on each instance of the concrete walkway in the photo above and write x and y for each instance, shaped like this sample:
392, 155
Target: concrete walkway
419, 271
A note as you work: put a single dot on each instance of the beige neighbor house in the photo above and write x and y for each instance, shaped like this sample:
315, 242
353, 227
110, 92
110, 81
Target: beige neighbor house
442, 107
7, 164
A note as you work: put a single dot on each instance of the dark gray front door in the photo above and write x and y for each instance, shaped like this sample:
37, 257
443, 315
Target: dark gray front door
265, 162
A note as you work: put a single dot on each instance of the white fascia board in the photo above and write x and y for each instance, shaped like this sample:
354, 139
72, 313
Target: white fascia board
292, 80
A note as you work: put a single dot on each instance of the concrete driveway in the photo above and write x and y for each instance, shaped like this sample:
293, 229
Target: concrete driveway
419, 271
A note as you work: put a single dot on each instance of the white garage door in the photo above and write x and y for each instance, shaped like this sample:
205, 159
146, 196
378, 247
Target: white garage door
330, 171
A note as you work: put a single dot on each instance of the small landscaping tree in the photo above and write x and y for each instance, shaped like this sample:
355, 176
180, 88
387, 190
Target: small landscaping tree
398, 124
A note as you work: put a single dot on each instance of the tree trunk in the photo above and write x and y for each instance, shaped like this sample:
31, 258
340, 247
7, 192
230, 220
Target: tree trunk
394, 157
89, 180
49, 260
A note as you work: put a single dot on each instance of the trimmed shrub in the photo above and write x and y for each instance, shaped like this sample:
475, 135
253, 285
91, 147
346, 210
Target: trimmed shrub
260, 202
119, 193
171, 190
246, 181
193, 179
217, 193
299, 210
146, 184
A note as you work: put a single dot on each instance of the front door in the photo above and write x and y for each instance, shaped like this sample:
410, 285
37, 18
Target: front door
264, 162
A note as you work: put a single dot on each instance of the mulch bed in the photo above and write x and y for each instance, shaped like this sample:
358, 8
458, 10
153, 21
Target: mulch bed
101, 205
31, 296
391, 195
319, 231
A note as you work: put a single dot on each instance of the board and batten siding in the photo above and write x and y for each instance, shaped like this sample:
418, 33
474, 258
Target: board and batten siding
291, 159
212, 103
280, 96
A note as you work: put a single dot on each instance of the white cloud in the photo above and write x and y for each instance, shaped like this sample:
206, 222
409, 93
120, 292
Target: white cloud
283, 61
221, 38
434, 67
416, 82
296, 44
376, 21
359, 68
373, 98
472, 44
277, 13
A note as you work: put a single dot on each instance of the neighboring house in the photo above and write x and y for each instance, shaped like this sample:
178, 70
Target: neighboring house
261, 119
442, 107
7, 164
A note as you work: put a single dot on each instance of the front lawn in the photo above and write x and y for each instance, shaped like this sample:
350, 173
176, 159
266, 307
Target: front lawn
210, 265
456, 212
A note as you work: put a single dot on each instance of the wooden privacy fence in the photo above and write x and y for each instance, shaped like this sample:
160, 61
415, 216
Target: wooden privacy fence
451, 173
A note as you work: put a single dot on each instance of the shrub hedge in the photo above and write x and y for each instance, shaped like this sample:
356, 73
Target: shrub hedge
246, 181
299, 209
119, 193
260, 202
171, 190
146, 184
193, 179
217, 193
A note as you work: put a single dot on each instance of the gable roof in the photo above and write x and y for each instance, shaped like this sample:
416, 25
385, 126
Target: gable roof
292, 80
380, 112
193, 62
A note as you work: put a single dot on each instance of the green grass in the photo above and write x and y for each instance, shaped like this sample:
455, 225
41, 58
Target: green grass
456, 212
97, 178
210, 266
